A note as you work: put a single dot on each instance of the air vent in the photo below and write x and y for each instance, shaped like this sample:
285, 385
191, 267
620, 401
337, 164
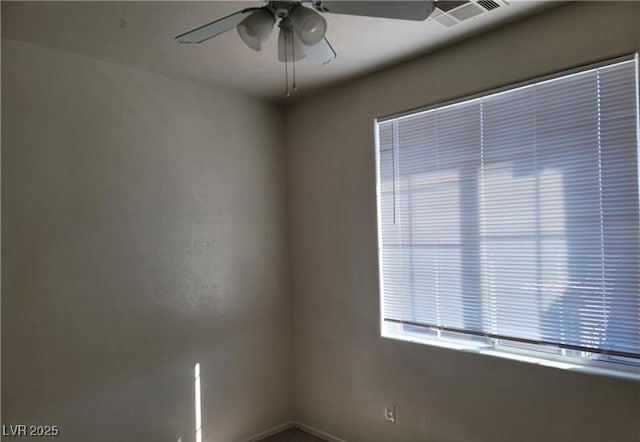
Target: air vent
488, 4
452, 12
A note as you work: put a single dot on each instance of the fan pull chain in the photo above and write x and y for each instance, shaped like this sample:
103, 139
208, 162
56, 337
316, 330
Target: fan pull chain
293, 51
287, 93
295, 86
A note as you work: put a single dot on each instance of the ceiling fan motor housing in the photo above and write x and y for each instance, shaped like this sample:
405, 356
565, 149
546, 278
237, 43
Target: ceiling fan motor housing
282, 9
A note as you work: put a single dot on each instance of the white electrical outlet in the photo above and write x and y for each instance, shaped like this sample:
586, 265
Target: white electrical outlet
390, 413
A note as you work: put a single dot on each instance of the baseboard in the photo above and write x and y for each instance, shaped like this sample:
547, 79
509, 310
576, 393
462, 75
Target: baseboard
294, 424
321, 434
271, 431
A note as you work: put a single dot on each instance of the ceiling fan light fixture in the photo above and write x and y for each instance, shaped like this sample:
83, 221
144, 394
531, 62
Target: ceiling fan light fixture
256, 29
308, 25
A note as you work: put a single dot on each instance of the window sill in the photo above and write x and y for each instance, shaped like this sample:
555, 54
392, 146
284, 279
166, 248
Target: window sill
579, 365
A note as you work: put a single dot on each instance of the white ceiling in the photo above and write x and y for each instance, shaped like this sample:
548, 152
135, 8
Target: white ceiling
141, 35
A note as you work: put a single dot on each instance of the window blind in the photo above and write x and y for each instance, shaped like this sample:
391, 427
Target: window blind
515, 216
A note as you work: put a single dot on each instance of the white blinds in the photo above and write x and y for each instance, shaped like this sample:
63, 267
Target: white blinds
516, 215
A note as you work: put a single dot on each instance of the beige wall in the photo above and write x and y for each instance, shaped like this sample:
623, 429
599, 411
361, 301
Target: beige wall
345, 372
143, 230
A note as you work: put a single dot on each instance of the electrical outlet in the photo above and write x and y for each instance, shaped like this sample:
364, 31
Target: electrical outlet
390, 414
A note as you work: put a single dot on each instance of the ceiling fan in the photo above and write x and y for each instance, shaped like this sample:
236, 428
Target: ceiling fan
302, 29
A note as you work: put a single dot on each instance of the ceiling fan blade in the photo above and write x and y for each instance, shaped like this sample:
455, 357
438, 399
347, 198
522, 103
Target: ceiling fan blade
406, 10
210, 30
320, 53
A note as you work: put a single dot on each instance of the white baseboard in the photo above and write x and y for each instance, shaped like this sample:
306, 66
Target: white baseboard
321, 434
291, 424
271, 431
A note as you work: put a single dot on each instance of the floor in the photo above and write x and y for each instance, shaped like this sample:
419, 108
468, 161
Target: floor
293, 435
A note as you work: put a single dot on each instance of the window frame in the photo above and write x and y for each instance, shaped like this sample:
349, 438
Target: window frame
558, 357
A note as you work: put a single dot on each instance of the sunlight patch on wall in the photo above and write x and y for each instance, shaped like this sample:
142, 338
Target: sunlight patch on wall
198, 403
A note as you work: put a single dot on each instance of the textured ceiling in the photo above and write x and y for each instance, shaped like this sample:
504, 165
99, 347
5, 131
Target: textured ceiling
141, 35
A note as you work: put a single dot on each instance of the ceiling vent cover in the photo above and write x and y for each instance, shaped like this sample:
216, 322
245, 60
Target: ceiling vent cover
488, 4
451, 12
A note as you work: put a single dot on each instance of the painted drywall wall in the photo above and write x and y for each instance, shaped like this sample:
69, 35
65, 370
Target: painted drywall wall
345, 373
143, 230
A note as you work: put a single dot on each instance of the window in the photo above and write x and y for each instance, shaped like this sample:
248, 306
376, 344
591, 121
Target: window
510, 222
